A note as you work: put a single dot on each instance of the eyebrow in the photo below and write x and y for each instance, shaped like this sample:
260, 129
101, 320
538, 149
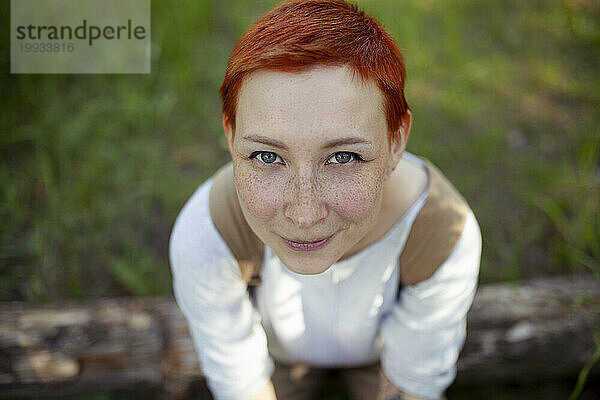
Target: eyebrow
345, 141
328, 145
266, 140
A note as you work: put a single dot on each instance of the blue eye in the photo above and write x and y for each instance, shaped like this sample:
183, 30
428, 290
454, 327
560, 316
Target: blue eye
266, 157
343, 157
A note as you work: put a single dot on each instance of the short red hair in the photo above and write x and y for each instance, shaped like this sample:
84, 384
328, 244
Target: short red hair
299, 34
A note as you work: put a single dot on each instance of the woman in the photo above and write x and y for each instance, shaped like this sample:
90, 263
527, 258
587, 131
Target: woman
362, 258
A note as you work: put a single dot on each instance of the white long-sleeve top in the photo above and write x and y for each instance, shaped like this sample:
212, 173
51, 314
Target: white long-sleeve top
348, 315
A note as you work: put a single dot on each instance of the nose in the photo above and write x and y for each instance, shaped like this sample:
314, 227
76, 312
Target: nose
305, 202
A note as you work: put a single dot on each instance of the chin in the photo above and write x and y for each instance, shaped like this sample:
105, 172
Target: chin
304, 265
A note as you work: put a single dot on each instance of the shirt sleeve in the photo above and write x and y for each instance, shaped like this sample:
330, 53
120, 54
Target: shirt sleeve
426, 328
225, 327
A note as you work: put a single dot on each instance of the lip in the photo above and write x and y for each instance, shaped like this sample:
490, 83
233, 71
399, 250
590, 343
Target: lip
307, 246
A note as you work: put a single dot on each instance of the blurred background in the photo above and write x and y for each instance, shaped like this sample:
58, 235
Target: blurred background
505, 97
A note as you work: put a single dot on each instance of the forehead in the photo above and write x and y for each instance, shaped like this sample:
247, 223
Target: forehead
319, 100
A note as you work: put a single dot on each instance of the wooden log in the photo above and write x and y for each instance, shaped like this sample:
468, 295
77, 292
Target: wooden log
76, 348
540, 329
536, 330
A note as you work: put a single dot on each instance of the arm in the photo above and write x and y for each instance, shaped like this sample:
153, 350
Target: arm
426, 328
389, 391
225, 327
266, 393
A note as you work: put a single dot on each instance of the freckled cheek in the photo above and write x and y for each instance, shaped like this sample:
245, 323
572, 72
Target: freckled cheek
356, 200
260, 195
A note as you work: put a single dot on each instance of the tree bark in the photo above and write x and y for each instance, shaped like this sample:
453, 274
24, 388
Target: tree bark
541, 329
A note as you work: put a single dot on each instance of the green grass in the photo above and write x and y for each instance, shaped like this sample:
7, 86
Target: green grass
505, 98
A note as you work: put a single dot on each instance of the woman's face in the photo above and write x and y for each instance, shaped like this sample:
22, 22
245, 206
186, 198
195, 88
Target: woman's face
310, 156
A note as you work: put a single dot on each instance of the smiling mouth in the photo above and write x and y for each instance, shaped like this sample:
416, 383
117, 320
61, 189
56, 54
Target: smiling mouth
307, 246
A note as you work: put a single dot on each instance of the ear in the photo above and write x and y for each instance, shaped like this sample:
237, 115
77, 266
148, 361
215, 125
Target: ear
398, 144
228, 129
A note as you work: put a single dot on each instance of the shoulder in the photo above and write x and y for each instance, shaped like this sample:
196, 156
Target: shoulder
195, 245
436, 230
193, 219
228, 219
453, 283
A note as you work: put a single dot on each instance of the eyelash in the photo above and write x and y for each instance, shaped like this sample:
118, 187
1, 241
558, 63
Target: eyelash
355, 157
257, 153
